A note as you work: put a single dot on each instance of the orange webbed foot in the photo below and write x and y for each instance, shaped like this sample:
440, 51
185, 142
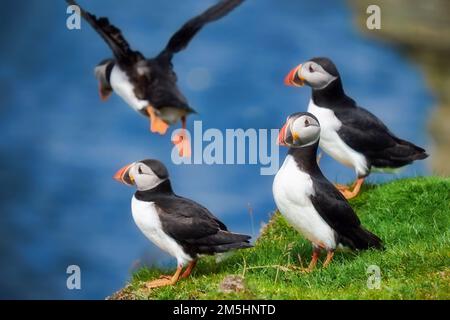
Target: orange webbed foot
156, 123
350, 194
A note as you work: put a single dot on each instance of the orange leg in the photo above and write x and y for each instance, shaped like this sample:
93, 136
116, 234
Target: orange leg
189, 269
353, 193
344, 187
341, 187
164, 280
181, 141
313, 263
156, 123
330, 255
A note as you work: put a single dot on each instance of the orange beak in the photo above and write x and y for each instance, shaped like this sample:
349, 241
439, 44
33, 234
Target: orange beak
293, 79
281, 136
123, 175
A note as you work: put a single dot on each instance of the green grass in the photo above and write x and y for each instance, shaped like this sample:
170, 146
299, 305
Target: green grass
411, 216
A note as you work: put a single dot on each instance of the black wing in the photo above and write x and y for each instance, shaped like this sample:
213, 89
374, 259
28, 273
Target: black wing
185, 219
196, 229
112, 36
181, 38
160, 86
365, 133
362, 130
339, 215
332, 207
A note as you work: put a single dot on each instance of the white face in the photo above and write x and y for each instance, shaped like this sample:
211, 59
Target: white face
143, 177
305, 131
314, 75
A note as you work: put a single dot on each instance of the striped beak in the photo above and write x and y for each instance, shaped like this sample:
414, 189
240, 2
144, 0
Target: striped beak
293, 79
281, 136
285, 137
123, 175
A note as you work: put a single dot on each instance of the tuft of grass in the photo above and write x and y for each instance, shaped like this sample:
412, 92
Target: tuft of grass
410, 215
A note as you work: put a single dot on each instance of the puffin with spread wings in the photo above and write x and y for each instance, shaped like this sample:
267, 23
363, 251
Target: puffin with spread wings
149, 85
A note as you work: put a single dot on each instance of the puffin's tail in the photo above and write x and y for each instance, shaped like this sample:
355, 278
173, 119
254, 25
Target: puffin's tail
362, 239
412, 151
403, 153
223, 241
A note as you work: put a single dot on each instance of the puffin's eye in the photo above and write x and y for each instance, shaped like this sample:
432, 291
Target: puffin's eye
139, 170
311, 68
306, 122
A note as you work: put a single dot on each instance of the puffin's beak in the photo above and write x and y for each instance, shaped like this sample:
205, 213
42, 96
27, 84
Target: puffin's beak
286, 137
281, 136
295, 138
292, 79
123, 175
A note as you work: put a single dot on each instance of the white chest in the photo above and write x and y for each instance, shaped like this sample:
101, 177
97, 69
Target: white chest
332, 144
146, 218
292, 189
124, 88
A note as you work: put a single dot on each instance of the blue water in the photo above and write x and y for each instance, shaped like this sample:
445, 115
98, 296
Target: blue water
60, 144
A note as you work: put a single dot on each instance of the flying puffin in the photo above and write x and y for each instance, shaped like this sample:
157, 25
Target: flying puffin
308, 201
350, 134
177, 225
149, 85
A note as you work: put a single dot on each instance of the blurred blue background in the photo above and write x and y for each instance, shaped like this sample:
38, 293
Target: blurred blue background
60, 145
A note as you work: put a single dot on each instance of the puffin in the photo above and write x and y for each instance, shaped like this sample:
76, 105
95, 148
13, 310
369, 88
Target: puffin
350, 134
177, 225
149, 85
308, 201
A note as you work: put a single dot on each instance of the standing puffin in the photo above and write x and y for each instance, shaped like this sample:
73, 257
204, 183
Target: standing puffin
308, 201
149, 85
177, 225
350, 134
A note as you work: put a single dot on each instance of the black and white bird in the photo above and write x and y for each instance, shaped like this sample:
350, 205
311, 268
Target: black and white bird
308, 201
177, 225
350, 134
149, 85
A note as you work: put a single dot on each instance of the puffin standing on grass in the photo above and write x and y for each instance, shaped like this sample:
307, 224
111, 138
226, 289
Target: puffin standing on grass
350, 134
149, 85
308, 201
177, 225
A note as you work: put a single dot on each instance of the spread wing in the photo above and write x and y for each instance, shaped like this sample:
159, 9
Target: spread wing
184, 35
112, 36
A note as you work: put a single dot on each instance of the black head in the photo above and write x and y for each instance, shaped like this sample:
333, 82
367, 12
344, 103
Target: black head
301, 129
318, 73
327, 65
145, 174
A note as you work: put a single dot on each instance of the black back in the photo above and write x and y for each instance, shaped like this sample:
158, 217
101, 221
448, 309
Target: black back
331, 205
193, 226
361, 130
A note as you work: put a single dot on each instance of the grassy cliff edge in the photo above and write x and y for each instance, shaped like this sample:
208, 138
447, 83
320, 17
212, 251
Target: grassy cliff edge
412, 216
